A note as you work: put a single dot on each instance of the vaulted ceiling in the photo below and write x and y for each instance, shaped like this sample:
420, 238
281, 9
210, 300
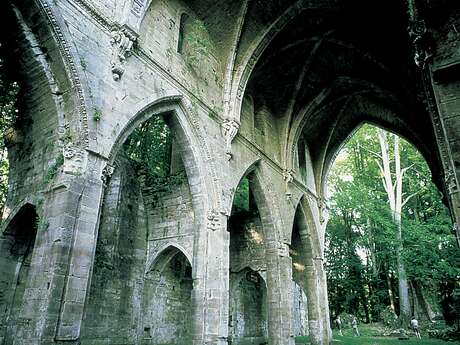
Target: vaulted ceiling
344, 63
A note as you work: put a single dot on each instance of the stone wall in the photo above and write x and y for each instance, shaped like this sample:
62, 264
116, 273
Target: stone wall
300, 310
196, 67
170, 211
99, 68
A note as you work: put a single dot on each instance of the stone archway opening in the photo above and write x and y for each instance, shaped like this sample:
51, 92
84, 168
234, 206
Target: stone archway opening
148, 201
167, 307
16, 247
248, 322
310, 312
383, 204
248, 308
33, 85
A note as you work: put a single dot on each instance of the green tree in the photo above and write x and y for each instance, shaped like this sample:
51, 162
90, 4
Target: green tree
150, 147
8, 114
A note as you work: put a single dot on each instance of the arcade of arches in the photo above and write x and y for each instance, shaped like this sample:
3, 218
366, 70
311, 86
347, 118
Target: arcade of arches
258, 97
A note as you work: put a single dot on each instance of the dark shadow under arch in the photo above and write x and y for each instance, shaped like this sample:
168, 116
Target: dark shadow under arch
16, 249
166, 299
248, 307
164, 255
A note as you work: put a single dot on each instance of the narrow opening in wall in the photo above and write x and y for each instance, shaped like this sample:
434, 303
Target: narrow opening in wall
301, 255
181, 36
302, 160
167, 307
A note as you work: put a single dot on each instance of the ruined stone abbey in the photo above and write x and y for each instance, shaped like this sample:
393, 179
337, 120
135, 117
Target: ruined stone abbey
259, 95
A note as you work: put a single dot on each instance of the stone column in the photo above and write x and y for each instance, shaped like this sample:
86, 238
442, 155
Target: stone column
279, 293
324, 302
315, 287
210, 296
80, 260
61, 264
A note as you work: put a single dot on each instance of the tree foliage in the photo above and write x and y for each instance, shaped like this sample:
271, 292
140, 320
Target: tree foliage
8, 114
150, 148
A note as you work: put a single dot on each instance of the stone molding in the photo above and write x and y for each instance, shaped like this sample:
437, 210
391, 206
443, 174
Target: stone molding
5, 221
438, 126
450, 181
159, 248
137, 7
95, 13
70, 65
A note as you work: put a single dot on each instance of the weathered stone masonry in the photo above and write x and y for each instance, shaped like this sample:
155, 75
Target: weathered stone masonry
263, 90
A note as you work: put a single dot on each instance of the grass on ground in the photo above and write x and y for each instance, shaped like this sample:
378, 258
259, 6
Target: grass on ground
371, 335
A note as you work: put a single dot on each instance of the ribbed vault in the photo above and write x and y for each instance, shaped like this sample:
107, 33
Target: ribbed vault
332, 68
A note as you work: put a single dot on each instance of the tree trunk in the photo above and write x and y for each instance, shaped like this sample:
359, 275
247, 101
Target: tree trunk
403, 285
390, 290
423, 301
394, 193
416, 309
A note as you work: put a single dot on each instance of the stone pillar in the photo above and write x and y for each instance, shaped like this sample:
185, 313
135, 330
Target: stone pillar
279, 293
210, 296
446, 121
324, 302
61, 264
311, 289
315, 287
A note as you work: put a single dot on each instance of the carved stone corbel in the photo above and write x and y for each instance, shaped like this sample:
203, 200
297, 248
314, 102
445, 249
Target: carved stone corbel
107, 173
230, 129
419, 34
288, 175
321, 208
75, 159
214, 220
123, 40
283, 250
